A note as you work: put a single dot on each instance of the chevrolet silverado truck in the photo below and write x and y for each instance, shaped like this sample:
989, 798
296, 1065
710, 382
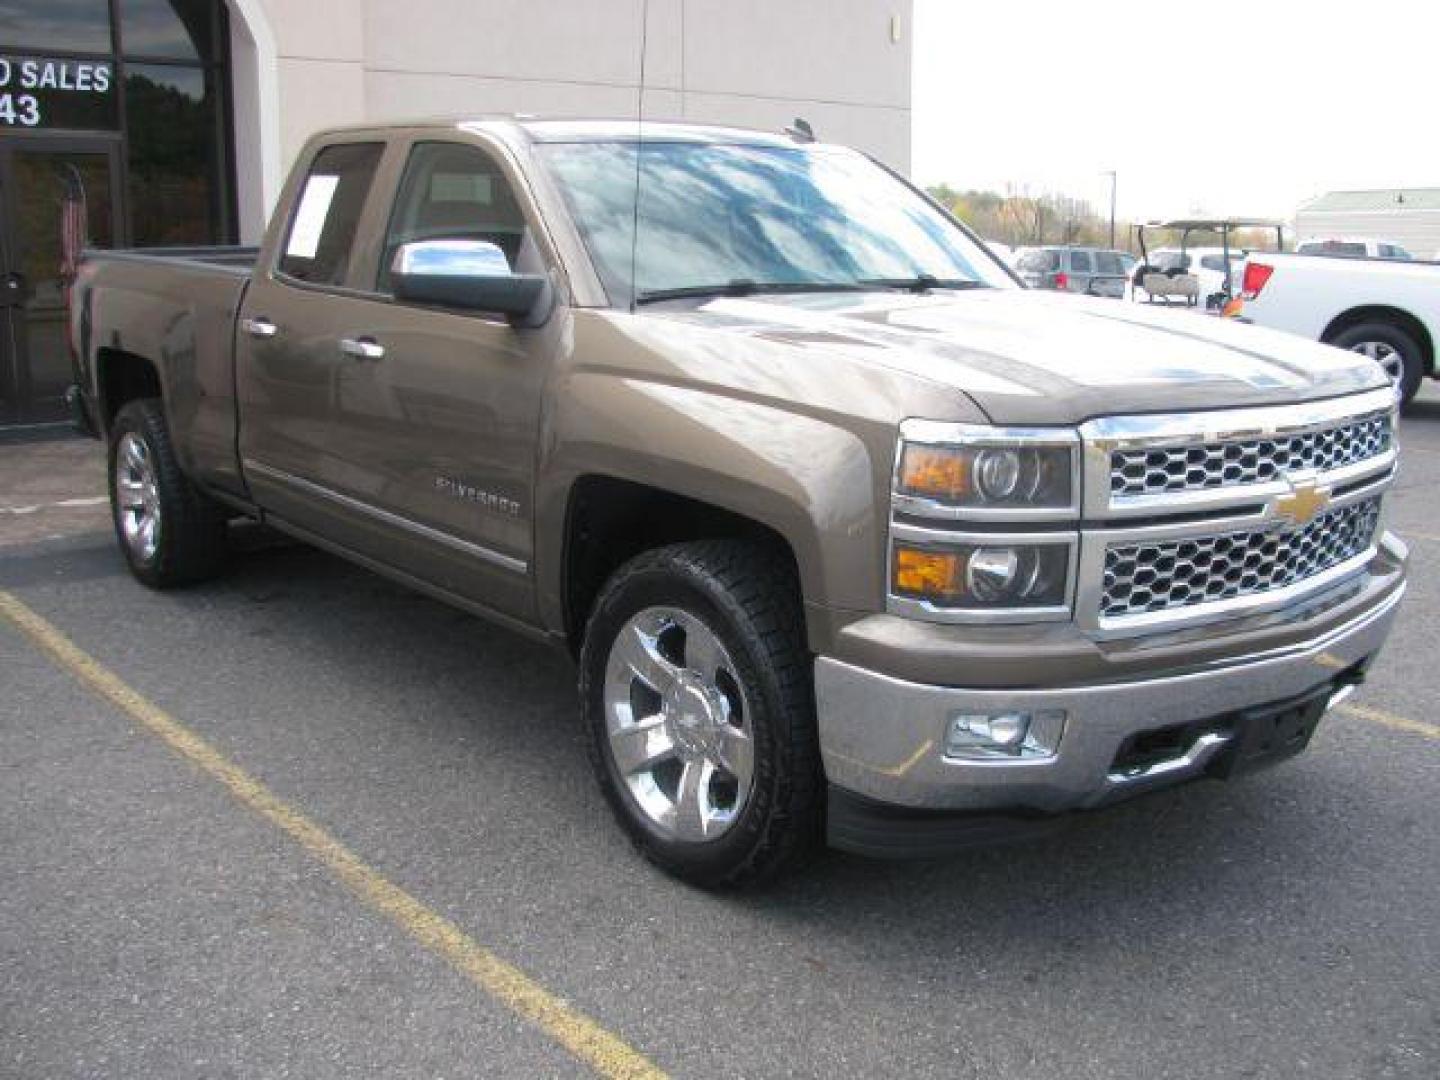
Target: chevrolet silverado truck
852, 537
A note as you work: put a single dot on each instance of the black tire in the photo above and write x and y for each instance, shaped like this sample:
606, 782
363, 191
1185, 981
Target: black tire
190, 544
1411, 359
746, 595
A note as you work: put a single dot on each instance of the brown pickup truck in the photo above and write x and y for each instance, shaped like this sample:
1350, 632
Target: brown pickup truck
852, 536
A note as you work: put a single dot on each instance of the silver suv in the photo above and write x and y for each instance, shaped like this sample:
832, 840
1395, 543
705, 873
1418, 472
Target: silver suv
1093, 271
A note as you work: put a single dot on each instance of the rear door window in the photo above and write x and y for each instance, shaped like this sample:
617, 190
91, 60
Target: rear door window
327, 213
1080, 262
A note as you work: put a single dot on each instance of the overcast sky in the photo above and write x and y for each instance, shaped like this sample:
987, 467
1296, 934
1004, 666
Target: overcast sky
1228, 108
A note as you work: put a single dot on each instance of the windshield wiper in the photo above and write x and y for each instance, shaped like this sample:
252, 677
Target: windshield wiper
922, 283
745, 287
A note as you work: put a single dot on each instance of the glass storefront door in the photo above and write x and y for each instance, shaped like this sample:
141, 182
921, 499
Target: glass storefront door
128, 100
41, 182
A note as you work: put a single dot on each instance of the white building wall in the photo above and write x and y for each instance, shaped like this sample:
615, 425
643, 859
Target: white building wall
844, 65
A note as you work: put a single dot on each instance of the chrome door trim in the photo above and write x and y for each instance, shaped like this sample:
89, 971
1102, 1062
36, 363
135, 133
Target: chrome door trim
464, 547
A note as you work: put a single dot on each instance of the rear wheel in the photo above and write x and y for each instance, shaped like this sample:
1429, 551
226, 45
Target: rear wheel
695, 684
1392, 348
170, 532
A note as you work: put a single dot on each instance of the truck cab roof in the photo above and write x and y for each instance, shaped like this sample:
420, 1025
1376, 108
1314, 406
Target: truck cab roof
520, 127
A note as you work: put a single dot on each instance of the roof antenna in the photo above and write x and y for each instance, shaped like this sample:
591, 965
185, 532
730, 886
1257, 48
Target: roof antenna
639, 147
801, 131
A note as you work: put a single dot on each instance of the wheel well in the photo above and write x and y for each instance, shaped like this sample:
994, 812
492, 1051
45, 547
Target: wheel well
611, 521
1396, 317
123, 377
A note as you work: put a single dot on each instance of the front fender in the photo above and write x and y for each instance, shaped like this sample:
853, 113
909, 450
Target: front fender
811, 481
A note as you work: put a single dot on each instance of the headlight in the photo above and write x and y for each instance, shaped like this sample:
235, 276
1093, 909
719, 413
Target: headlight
984, 522
982, 575
970, 468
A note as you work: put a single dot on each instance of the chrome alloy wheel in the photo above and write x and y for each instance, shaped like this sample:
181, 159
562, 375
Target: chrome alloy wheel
678, 724
1384, 354
137, 501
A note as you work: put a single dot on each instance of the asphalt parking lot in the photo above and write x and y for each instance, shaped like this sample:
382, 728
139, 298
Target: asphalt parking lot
367, 843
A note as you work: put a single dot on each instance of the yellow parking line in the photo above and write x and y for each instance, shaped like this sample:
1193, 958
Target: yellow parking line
1390, 720
604, 1052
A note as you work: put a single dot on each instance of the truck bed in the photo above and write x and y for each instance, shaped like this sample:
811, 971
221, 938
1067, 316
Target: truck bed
176, 306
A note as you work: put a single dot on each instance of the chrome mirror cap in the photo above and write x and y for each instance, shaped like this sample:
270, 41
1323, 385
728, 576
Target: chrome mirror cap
451, 258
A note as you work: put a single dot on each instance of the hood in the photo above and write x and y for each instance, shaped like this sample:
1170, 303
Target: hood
1029, 357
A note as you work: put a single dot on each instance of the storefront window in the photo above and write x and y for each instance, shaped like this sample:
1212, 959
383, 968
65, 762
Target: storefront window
175, 29
114, 114
46, 25
44, 93
173, 134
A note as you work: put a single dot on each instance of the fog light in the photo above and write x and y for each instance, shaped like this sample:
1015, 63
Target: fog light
987, 736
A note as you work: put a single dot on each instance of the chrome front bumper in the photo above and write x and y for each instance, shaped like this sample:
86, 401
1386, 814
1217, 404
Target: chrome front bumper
883, 738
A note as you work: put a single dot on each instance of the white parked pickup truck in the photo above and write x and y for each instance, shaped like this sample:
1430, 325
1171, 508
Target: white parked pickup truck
1384, 308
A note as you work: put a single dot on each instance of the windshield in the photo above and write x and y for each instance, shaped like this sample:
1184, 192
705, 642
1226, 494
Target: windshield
715, 214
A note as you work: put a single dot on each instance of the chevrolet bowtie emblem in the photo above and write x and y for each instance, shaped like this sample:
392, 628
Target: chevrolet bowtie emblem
1304, 501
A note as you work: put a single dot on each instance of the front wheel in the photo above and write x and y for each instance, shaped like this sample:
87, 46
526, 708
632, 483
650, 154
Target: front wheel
696, 690
170, 532
1392, 348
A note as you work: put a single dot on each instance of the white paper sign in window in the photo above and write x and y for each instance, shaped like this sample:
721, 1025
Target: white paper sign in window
310, 217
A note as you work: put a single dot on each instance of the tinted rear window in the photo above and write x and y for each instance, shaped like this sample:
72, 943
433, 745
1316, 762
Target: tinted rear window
1108, 262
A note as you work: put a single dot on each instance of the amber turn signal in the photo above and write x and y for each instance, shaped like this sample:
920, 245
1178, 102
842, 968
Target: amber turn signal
935, 472
930, 574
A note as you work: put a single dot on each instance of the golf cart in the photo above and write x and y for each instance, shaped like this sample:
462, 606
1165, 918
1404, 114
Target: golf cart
1198, 276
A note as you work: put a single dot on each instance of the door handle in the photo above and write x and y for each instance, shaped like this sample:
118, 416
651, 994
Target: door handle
362, 348
260, 327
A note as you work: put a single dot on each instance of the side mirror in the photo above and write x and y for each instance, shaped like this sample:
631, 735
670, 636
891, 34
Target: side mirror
469, 274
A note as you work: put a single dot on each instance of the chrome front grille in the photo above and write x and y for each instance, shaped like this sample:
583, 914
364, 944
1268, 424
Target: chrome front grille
1161, 576
1191, 518
1157, 470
